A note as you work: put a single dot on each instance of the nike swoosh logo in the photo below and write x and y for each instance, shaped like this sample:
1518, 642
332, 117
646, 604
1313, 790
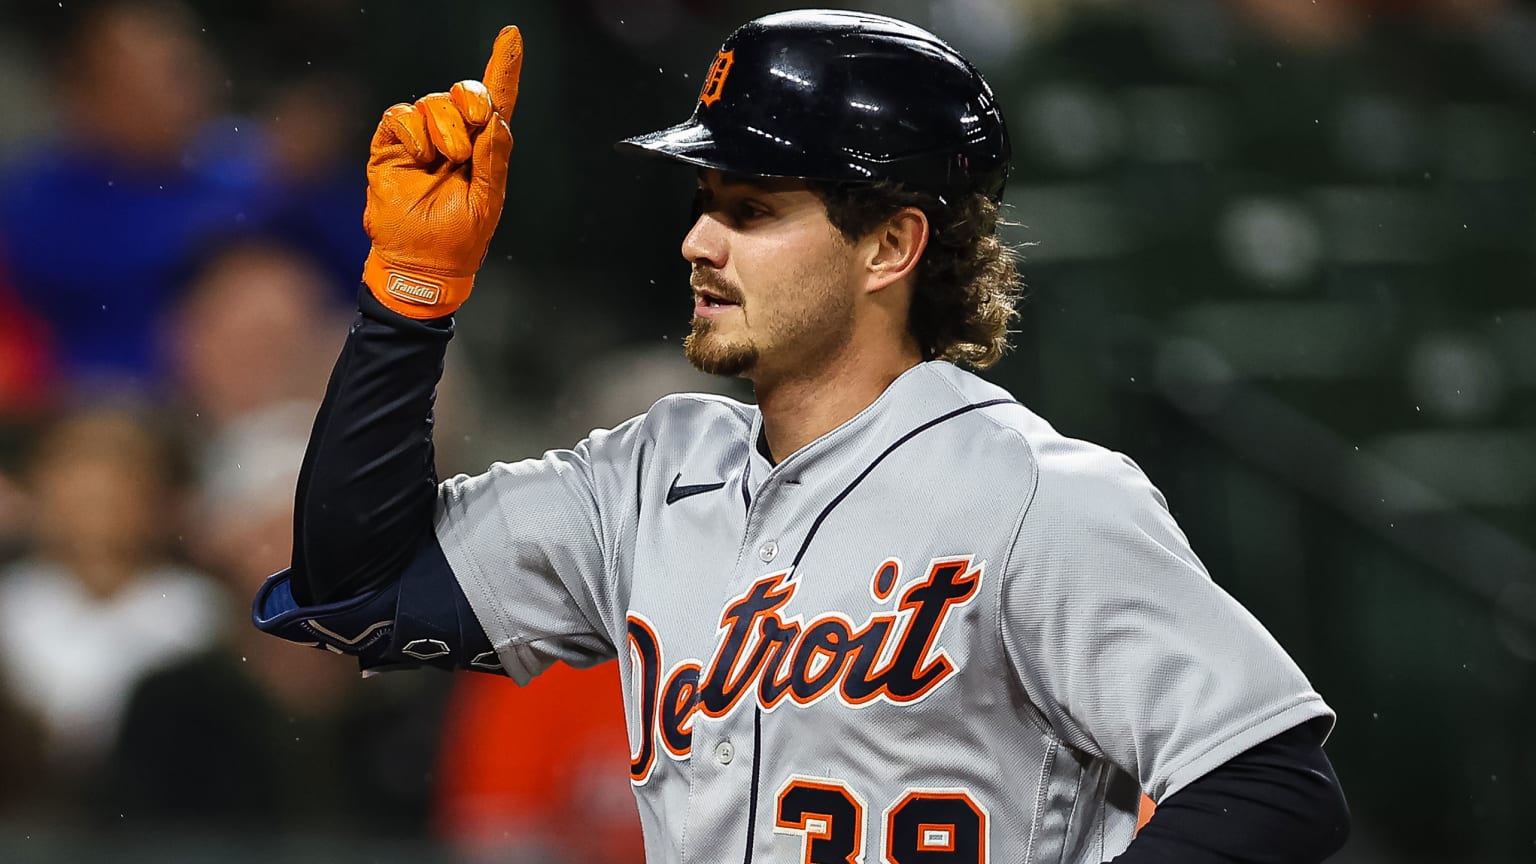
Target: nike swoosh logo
677, 493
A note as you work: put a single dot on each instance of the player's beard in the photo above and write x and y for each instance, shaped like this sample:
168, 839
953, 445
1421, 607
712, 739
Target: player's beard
712, 353
812, 319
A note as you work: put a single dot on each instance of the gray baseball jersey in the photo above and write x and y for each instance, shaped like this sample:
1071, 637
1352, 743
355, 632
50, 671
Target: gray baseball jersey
941, 632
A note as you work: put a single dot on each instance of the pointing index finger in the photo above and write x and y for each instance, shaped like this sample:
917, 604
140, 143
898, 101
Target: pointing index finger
504, 70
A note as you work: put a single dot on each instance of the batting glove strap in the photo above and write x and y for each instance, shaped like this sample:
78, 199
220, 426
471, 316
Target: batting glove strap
422, 619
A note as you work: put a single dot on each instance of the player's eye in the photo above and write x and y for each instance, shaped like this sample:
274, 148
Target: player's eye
736, 211
749, 210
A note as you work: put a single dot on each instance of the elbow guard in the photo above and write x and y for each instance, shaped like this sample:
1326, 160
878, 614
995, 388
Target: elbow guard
420, 619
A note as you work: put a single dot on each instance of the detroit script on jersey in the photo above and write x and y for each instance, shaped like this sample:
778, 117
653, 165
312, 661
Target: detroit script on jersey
942, 632
765, 656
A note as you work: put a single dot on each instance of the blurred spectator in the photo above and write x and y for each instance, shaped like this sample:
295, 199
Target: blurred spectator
255, 734
26, 356
258, 327
561, 793
297, 64
312, 160
99, 603
98, 219
26, 373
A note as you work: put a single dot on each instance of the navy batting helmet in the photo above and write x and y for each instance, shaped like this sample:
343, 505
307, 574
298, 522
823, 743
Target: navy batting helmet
843, 97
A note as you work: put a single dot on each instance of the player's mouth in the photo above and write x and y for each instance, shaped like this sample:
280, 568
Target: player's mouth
711, 303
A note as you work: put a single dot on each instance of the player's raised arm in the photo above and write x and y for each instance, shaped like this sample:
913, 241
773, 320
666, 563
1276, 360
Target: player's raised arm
436, 182
369, 576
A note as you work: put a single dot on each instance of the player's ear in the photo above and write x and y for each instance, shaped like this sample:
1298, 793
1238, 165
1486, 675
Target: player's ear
894, 247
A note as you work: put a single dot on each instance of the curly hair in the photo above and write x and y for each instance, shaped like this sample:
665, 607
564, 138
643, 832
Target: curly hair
967, 284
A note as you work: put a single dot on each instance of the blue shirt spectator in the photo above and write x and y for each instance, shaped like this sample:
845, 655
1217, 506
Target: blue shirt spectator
97, 243
98, 220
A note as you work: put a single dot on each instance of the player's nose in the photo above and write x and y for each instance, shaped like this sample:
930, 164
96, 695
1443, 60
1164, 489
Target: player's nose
705, 243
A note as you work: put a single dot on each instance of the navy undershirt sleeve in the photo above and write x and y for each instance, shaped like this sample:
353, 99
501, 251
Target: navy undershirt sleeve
367, 486
1277, 803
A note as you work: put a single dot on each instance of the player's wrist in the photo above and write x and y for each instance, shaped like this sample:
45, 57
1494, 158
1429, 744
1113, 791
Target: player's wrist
415, 292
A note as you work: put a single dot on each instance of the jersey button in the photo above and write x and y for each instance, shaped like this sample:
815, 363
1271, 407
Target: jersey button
768, 551
724, 752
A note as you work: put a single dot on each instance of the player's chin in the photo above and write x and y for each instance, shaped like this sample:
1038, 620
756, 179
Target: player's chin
717, 354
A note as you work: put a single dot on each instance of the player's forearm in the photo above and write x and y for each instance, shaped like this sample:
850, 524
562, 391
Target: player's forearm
366, 489
1278, 803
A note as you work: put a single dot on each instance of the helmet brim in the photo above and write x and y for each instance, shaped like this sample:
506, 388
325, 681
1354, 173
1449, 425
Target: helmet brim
693, 143
688, 142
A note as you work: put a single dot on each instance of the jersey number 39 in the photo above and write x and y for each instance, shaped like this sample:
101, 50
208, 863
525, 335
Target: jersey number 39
938, 826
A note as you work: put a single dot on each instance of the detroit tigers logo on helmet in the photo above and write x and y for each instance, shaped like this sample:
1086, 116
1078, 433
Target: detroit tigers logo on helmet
714, 79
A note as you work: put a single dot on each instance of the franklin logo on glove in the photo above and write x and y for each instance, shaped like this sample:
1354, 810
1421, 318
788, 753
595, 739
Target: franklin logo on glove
412, 292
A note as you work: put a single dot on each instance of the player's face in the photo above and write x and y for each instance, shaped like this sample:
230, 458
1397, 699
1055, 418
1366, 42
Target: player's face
773, 280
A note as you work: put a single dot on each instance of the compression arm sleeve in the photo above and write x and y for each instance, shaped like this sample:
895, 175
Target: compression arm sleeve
1276, 803
366, 491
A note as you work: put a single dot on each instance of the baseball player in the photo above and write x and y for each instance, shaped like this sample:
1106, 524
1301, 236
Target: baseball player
886, 614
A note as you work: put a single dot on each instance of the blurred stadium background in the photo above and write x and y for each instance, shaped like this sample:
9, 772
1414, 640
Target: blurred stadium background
1281, 252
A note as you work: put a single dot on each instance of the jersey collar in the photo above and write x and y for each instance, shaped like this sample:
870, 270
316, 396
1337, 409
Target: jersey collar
918, 395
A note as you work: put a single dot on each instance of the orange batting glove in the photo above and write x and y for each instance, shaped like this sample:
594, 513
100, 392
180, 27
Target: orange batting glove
437, 178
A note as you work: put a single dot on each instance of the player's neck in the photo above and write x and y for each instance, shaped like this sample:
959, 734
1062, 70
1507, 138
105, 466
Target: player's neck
798, 409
